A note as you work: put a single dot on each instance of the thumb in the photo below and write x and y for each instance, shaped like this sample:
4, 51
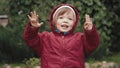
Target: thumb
40, 24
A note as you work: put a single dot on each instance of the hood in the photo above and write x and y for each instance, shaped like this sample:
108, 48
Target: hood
53, 11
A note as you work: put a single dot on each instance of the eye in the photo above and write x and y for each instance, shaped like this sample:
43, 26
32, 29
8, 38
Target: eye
70, 18
60, 17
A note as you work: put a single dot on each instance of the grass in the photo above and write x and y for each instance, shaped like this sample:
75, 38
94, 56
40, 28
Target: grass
18, 64
111, 58
14, 65
114, 58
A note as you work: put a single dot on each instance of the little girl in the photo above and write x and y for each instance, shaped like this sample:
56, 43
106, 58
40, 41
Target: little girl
62, 47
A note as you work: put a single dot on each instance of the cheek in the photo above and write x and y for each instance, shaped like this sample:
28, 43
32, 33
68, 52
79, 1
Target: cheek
71, 24
57, 24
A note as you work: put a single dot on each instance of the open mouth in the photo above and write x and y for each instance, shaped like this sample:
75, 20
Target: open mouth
64, 26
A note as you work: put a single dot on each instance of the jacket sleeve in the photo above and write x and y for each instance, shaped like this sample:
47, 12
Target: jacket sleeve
90, 40
32, 38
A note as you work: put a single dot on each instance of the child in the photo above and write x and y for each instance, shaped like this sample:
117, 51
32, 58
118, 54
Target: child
62, 48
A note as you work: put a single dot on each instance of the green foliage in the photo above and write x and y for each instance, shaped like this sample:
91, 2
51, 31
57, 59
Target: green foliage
11, 47
113, 7
4, 7
32, 62
11, 37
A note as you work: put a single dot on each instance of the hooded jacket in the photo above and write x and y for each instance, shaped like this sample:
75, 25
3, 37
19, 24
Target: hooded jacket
62, 51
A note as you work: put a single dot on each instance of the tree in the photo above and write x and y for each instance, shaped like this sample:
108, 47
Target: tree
4, 7
114, 16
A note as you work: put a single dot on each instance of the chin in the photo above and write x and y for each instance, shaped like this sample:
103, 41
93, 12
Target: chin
64, 30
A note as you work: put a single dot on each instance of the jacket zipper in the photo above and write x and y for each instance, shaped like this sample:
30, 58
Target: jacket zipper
63, 52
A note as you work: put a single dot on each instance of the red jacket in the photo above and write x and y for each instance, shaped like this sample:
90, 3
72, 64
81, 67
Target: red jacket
62, 51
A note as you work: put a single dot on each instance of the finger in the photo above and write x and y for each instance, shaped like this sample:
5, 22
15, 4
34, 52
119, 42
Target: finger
87, 17
40, 24
87, 26
35, 12
29, 17
37, 16
32, 14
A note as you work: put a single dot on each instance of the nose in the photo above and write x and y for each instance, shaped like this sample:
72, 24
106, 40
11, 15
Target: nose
65, 21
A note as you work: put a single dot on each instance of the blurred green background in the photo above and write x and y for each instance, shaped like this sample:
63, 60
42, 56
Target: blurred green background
105, 14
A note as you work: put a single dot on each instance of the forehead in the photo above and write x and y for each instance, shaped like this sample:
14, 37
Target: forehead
68, 14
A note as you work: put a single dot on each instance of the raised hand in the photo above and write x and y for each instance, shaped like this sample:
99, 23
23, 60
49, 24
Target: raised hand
33, 17
88, 23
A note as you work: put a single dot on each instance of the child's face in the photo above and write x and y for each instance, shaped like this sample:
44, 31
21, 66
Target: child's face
65, 22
